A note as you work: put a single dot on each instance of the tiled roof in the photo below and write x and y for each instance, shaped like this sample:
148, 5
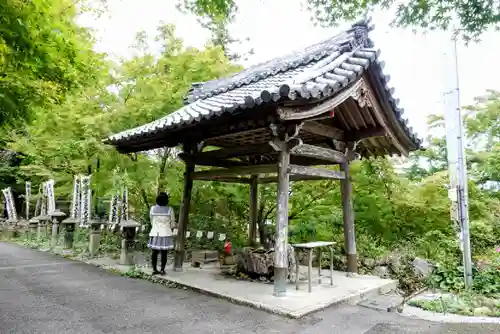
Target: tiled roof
318, 71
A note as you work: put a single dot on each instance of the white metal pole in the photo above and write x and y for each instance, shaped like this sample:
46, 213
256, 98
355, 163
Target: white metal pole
458, 192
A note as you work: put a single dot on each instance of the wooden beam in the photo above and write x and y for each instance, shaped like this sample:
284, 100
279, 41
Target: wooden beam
281, 242
348, 211
212, 162
244, 180
234, 152
320, 153
274, 179
234, 171
183, 218
366, 133
323, 130
254, 207
316, 172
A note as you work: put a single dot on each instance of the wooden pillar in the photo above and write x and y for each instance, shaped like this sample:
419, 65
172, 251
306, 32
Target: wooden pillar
254, 204
183, 216
281, 242
349, 229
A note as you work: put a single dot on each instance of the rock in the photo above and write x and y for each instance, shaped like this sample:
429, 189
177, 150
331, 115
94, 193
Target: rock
484, 311
395, 262
422, 267
369, 263
382, 261
381, 271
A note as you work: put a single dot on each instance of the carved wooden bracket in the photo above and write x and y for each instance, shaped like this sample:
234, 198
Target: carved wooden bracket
350, 151
361, 95
285, 136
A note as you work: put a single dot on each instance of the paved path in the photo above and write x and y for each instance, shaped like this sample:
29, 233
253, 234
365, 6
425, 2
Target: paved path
43, 293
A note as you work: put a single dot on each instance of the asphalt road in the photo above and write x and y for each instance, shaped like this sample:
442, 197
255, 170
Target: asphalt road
44, 293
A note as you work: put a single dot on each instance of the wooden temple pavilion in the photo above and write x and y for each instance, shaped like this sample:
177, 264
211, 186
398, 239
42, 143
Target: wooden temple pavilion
325, 105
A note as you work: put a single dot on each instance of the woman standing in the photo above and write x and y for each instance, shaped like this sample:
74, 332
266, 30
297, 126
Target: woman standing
161, 238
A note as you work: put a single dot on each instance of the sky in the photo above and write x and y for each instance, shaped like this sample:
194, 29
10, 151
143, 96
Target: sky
413, 60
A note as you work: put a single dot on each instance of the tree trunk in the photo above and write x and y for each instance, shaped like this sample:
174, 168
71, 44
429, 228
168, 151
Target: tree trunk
163, 167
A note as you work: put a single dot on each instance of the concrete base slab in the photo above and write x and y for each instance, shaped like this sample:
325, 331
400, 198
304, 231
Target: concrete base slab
389, 302
296, 303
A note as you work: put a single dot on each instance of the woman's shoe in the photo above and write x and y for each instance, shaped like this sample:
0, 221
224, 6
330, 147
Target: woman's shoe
162, 272
156, 272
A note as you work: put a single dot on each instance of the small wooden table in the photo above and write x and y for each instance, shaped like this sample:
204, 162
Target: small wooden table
311, 246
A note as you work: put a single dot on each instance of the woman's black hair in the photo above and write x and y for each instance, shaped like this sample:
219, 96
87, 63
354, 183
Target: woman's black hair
162, 199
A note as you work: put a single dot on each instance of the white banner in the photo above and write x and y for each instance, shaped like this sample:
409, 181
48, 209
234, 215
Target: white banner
27, 197
9, 204
76, 198
86, 201
51, 199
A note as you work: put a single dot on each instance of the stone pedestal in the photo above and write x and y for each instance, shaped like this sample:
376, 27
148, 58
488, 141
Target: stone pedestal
33, 228
95, 236
69, 226
12, 229
55, 234
39, 231
42, 227
128, 228
8, 232
23, 227
56, 216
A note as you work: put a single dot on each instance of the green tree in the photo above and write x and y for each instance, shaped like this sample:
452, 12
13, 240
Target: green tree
472, 17
44, 54
65, 138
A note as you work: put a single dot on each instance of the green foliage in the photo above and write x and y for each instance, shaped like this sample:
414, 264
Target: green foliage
472, 18
450, 278
464, 304
44, 54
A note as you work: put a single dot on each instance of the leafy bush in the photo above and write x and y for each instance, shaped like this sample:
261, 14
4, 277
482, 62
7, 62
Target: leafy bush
486, 281
437, 246
484, 235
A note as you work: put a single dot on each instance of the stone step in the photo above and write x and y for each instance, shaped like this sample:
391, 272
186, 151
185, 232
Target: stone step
389, 302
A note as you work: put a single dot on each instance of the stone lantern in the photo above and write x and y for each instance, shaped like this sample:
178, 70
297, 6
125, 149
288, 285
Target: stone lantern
23, 226
3, 225
69, 225
128, 228
43, 221
56, 216
95, 235
33, 227
11, 226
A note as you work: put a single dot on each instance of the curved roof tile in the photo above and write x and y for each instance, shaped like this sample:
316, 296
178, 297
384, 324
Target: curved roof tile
318, 71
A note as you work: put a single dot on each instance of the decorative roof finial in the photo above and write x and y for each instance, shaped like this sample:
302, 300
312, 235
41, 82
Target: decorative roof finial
365, 20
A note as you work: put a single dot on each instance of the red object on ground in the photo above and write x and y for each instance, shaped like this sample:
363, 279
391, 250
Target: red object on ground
227, 247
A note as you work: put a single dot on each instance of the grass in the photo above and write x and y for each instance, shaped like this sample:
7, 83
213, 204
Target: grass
467, 304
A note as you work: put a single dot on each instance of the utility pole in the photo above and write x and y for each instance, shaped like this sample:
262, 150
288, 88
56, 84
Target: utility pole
458, 191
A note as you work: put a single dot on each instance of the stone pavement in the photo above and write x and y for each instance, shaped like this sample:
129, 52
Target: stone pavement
44, 293
345, 290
